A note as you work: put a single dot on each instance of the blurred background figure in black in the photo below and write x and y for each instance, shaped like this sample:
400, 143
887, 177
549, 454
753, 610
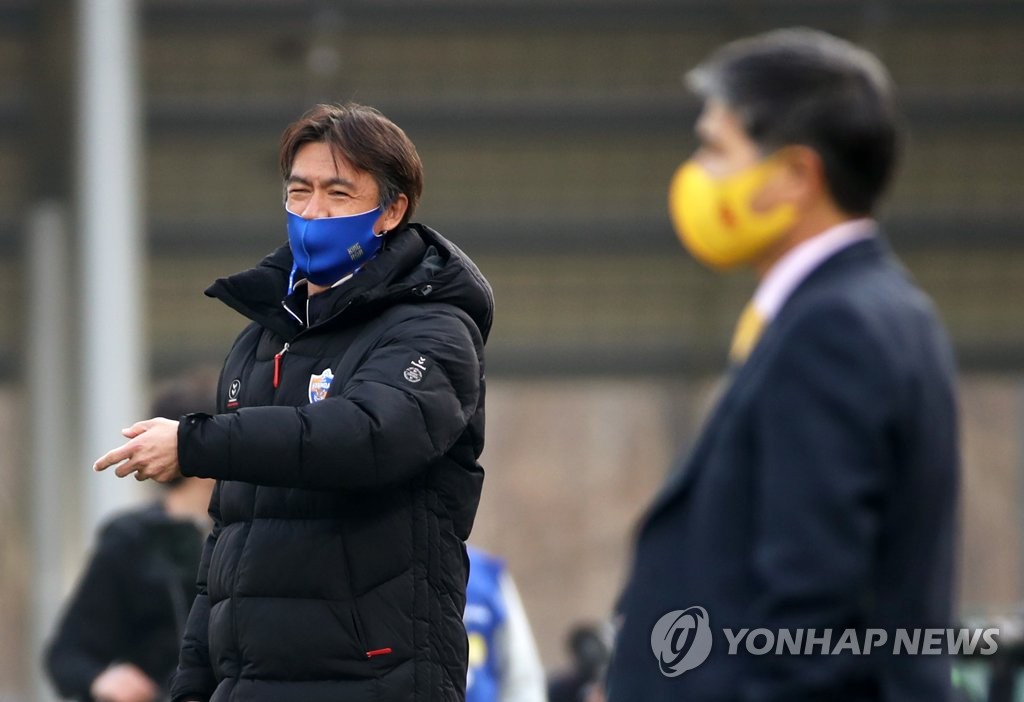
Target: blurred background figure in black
118, 638
588, 646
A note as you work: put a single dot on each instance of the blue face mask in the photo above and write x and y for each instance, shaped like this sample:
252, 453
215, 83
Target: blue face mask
327, 249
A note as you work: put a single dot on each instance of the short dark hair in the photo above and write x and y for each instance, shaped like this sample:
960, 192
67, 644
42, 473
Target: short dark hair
803, 86
366, 139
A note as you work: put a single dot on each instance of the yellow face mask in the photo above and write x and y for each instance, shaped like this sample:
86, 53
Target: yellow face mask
713, 217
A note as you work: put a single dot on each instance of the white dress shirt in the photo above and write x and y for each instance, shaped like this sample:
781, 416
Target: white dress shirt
799, 262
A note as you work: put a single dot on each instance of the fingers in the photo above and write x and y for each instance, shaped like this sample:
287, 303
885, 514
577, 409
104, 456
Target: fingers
123, 452
151, 452
127, 468
112, 457
137, 428
124, 455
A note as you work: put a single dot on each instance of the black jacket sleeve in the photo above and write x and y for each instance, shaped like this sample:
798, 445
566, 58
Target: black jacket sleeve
194, 678
404, 407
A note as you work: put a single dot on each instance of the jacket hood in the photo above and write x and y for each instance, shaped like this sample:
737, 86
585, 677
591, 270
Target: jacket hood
416, 263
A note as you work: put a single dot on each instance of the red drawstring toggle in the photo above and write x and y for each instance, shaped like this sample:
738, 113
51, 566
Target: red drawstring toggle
378, 652
277, 368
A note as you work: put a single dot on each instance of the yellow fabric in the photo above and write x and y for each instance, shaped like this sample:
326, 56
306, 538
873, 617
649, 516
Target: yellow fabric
714, 219
748, 330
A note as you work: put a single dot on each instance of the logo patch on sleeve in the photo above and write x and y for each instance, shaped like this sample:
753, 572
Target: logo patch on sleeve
414, 373
233, 391
319, 384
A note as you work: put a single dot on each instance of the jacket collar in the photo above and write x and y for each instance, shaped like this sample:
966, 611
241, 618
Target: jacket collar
259, 293
416, 262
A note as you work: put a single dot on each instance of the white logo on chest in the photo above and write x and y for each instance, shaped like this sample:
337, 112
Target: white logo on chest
414, 373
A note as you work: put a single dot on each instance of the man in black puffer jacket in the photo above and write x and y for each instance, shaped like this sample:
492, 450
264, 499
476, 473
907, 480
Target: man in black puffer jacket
351, 420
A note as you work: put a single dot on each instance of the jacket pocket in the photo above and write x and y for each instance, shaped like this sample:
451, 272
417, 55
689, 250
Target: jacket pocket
374, 657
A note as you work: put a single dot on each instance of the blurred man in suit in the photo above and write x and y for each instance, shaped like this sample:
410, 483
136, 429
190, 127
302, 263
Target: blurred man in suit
821, 493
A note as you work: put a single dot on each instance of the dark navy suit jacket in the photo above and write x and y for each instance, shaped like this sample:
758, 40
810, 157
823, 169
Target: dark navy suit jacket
821, 494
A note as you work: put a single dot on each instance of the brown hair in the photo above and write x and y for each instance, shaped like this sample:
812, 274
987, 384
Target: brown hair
366, 139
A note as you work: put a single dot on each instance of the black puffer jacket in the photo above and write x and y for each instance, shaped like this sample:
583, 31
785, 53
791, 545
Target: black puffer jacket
337, 568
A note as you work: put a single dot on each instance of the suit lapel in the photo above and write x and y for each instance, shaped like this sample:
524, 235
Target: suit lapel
688, 467
744, 377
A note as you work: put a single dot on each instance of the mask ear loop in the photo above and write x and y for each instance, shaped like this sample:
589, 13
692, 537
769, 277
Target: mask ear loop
383, 207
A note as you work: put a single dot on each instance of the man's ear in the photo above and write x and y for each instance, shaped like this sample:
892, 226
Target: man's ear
393, 213
805, 176
799, 180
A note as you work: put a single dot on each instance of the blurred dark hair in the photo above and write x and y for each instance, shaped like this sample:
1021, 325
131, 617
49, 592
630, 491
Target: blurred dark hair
193, 391
589, 649
806, 87
366, 139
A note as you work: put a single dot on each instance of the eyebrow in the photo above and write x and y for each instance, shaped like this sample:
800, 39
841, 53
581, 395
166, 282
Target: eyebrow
327, 182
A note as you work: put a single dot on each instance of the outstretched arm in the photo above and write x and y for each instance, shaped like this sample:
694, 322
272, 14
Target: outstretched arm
404, 407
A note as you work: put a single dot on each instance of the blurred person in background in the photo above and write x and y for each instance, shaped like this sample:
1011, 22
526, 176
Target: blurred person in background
118, 637
346, 449
504, 665
822, 491
588, 649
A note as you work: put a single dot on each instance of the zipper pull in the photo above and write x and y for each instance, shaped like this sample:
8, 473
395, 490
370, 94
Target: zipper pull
277, 365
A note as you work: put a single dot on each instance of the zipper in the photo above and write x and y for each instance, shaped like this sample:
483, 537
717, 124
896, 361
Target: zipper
289, 311
277, 365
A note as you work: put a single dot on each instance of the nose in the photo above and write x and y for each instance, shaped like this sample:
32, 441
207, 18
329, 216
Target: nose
315, 206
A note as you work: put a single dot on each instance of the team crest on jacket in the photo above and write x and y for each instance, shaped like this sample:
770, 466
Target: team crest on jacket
319, 384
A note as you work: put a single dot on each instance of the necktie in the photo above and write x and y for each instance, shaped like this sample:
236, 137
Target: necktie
748, 330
